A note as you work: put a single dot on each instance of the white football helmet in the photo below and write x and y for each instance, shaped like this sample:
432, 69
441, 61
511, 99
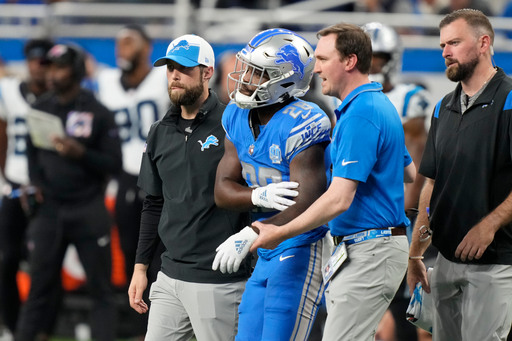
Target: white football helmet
386, 40
284, 62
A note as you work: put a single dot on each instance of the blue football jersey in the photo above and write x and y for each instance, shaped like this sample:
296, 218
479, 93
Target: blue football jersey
267, 159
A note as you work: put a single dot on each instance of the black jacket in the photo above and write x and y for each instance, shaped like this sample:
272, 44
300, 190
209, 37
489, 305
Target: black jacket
74, 181
178, 174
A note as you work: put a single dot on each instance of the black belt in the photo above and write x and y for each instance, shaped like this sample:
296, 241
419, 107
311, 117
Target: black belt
363, 235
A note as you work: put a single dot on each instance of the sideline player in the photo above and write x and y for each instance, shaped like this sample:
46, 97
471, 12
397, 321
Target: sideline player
273, 138
137, 94
16, 97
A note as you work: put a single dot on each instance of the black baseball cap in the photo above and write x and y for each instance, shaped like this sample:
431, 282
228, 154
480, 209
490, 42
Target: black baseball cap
63, 54
37, 48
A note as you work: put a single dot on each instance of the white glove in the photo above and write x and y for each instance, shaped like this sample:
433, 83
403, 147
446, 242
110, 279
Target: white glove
232, 252
274, 195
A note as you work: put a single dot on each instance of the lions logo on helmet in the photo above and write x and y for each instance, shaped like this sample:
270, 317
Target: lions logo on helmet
277, 63
289, 54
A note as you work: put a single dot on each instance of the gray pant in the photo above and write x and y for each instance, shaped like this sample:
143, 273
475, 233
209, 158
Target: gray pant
181, 309
359, 294
472, 302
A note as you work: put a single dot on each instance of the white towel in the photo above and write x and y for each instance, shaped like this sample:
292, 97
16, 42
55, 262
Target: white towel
420, 310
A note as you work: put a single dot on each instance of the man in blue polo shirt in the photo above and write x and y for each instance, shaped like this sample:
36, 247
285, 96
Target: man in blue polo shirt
369, 165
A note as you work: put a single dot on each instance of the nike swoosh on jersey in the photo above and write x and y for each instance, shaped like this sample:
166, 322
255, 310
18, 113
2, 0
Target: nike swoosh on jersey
281, 258
344, 163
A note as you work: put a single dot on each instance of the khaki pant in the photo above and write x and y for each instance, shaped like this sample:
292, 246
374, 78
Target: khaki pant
360, 292
472, 302
181, 309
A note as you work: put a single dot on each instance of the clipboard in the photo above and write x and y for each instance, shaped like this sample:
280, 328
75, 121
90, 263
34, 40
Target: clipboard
42, 127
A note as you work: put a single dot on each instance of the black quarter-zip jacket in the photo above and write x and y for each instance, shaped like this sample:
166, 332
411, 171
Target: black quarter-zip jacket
178, 174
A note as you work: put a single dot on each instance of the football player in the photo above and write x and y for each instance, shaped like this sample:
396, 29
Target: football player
16, 97
136, 93
274, 141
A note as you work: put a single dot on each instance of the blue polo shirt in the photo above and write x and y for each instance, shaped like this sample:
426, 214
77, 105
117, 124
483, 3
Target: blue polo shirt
368, 146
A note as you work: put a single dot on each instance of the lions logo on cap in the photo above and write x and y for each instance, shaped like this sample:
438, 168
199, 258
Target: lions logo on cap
289, 54
182, 44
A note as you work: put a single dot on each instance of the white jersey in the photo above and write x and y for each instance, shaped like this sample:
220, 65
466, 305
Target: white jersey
410, 100
13, 110
135, 110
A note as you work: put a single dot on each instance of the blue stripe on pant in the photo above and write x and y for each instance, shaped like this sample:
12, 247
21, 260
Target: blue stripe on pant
282, 296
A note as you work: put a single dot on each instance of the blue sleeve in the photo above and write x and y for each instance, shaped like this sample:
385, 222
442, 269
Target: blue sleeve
313, 128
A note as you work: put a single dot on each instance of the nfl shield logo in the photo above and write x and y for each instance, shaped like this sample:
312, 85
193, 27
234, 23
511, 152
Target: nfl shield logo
251, 149
275, 153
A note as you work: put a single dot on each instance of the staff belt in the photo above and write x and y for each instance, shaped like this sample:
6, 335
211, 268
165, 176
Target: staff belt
369, 234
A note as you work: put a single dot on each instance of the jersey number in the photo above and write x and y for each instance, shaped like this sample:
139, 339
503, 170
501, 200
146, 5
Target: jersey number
20, 136
146, 114
298, 108
265, 175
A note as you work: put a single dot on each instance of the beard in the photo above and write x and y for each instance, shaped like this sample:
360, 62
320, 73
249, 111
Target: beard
129, 65
61, 86
189, 96
461, 72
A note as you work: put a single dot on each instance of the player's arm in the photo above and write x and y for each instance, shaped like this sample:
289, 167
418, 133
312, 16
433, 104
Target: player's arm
148, 242
415, 139
232, 193
308, 169
336, 200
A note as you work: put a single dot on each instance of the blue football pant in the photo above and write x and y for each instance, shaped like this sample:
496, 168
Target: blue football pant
282, 296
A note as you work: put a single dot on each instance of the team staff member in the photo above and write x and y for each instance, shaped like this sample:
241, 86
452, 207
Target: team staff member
367, 153
413, 105
71, 178
467, 161
178, 174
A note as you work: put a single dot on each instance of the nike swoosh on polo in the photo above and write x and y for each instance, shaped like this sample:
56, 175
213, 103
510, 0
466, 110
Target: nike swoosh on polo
344, 163
281, 258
